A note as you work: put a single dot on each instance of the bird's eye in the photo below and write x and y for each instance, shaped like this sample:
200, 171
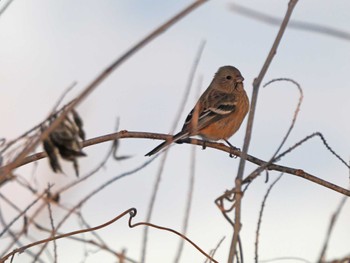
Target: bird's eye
228, 77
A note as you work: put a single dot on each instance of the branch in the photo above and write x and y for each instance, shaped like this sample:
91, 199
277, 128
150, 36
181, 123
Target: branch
219, 146
256, 86
169, 230
132, 213
43, 241
257, 235
301, 25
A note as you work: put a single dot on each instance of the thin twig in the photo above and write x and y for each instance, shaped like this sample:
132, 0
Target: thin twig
61, 98
301, 25
132, 213
192, 165
214, 145
151, 204
189, 200
273, 159
164, 157
262, 207
213, 251
53, 230
332, 222
169, 230
4, 8
44, 241
15, 237
256, 86
23, 212
295, 116
102, 245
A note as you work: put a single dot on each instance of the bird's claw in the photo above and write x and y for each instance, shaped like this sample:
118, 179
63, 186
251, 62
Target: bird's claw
232, 155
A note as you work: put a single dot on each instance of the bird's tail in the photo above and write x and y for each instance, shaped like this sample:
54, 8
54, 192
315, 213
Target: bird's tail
176, 137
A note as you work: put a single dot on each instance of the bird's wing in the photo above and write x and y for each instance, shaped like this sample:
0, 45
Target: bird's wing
214, 106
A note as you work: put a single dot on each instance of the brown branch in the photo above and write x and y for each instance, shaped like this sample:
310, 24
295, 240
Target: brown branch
260, 217
6, 170
102, 245
332, 222
214, 145
43, 241
170, 230
213, 251
256, 86
189, 201
274, 158
164, 157
22, 213
132, 213
301, 25
295, 116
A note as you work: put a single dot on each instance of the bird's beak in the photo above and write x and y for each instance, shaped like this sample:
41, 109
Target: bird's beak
239, 79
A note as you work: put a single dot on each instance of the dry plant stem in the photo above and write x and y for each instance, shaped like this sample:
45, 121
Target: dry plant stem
169, 230
20, 215
99, 189
189, 200
219, 146
151, 205
193, 159
260, 217
295, 112
256, 86
252, 176
61, 98
53, 230
273, 159
188, 85
132, 213
15, 240
101, 245
7, 4
100, 78
213, 251
52, 234
44, 241
310, 27
60, 191
332, 222
164, 157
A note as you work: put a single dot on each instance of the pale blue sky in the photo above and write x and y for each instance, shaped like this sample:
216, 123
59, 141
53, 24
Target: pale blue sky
47, 45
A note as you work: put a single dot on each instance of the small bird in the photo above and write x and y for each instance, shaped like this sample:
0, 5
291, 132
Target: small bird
218, 113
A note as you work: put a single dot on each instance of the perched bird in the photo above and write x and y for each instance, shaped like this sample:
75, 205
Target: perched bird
218, 113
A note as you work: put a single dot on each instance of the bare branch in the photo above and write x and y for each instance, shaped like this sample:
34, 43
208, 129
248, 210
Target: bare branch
219, 146
301, 25
170, 230
23, 212
189, 200
164, 157
256, 86
43, 241
332, 222
260, 217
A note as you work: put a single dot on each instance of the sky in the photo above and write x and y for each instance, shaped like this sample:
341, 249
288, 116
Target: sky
48, 45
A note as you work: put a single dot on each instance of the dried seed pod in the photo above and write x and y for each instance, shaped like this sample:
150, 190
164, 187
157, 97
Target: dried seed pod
65, 141
52, 155
79, 122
